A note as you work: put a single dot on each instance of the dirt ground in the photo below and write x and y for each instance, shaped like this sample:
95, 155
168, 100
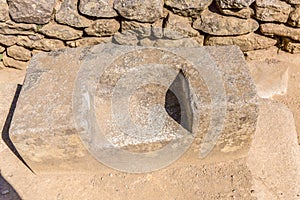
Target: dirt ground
181, 180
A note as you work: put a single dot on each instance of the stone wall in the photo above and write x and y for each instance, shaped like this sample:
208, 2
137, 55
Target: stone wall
31, 26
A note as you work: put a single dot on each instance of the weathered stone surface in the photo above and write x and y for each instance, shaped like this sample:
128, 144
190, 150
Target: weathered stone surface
4, 14
60, 31
103, 27
50, 136
40, 43
10, 62
244, 13
291, 46
216, 24
2, 49
8, 40
234, 3
12, 28
31, 11
181, 42
142, 29
274, 158
270, 77
280, 30
88, 41
126, 38
251, 41
294, 18
140, 10
68, 14
19, 53
293, 2
181, 25
188, 7
96, 8
272, 10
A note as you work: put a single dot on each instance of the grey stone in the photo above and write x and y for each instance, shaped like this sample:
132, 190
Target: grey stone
215, 24
31, 11
18, 53
4, 13
188, 7
280, 30
244, 13
248, 42
96, 8
103, 27
12, 28
234, 3
68, 14
272, 10
47, 138
140, 10
60, 31
294, 18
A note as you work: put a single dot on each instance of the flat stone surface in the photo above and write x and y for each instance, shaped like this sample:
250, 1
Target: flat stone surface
103, 27
140, 10
272, 10
215, 24
68, 14
31, 11
60, 31
52, 140
19, 53
97, 8
234, 3
188, 7
8, 40
248, 42
12, 28
4, 13
280, 30
13, 63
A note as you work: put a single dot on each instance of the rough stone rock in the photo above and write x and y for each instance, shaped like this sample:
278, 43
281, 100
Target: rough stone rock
280, 30
181, 25
274, 154
88, 41
68, 14
18, 53
10, 62
294, 18
216, 24
126, 38
291, 46
188, 7
96, 8
251, 41
12, 28
40, 44
31, 11
140, 10
293, 2
244, 13
234, 3
60, 32
8, 40
181, 42
55, 141
2, 49
103, 27
4, 14
142, 29
272, 10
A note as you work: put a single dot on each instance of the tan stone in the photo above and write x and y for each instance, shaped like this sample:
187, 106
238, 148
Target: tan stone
294, 19
103, 27
2, 49
291, 46
40, 43
60, 31
182, 42
88, 41
4, 15
244, 13
142, 29
12, 28
19, 53
97, 8
10, 62
215, 24
251, 41
280, 30
234, 4
188, 7
272, 10
8, 40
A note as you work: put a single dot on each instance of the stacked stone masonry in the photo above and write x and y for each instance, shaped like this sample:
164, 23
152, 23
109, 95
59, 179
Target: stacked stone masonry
32, 26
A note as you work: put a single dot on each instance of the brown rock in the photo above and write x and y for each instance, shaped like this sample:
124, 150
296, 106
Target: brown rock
244, 13
280, 30
97, 8
126, 38
12, 28
294, 19
142, 29
68, 14
4, 14
293, 2
40, 44
8, 40
139, 10
188, 7
291, 46
31, 11
251, 41
10, 62
272, 10
216, 24
60, 31
88, 41
19, 53
2, 49
103, 27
